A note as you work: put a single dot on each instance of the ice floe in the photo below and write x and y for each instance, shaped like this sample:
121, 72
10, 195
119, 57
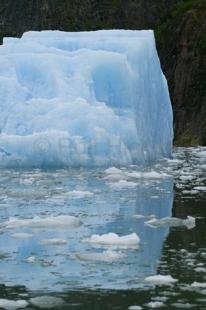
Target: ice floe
13, 304
48, 302
76, 194
189, 222
108, 256
22, 236
54, 241
112, 239
161, 280
62, 221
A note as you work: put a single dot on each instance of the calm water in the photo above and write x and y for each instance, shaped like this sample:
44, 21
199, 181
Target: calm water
56, 263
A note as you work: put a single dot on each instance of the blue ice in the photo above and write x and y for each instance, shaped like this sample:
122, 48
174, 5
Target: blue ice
83, 99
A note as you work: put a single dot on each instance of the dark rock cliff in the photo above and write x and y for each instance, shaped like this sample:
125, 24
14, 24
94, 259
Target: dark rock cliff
180, 27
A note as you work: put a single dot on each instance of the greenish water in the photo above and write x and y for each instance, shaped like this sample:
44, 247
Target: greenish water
104, 202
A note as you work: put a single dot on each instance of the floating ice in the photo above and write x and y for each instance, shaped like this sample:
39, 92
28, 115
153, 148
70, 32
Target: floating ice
62, 221
198, 285
48, 302
21, 236
200, 188
112, 239
108, 256
79, 194
161, 280
123, 184
155, 304
54, 241
30, 259
83, 99
190, 222
147, 175
13, 304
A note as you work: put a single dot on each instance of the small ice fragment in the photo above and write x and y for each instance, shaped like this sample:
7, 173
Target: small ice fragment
123, 184
182, 305
13, 304
48, 302
79, 194
155, 304
30, 259
190, 222
108, 256
134, 308
200, 188
147, 175
21, 236
112, 239
161, 280
190, 192
200, 269
113, 170
138, 216
53, 241
62, 221
198, 285
187, 177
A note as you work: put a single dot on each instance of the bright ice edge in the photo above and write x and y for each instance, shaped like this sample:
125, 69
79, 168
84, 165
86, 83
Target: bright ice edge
83, 99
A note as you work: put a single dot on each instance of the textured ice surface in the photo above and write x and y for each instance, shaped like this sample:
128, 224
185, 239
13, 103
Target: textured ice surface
83, 99
161, 280
65, 221
112, 239
108, 256
189, 222
48, 302
13, 305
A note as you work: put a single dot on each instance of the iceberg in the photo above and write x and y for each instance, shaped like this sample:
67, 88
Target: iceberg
86, 99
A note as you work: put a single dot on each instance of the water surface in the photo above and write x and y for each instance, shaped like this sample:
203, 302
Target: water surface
79, 273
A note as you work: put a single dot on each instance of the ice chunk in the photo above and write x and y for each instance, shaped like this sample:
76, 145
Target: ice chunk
112, 239
123, 184
53, 241
155, 304
79, 194
198, 285
108, 256
190, 222
161, 280
21, 236
113, 170
135, 308
147, 175
200, 188
13, 304
48, 302
62, 221
30, 259
83, 99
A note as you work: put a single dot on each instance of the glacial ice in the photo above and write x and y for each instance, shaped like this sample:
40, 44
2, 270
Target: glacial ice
13, 304
189, 222
108, 256
83, 99
48, 302
112, 239
61, 221
161, 280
